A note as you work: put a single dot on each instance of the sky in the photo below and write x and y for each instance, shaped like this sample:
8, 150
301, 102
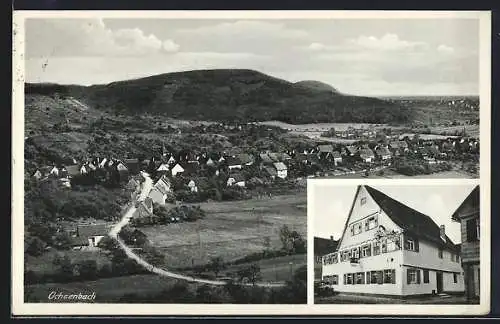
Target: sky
332, 204
376, 57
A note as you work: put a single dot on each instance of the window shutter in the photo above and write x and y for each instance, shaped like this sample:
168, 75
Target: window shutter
418, 276
408, 277
393, 271
368, 278
416, 246
376, 221
345, 278
366, 225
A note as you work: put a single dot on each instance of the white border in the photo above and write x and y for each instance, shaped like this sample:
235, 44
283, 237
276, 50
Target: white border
21, 308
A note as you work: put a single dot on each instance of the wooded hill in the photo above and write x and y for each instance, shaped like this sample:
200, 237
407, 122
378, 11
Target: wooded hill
230, 95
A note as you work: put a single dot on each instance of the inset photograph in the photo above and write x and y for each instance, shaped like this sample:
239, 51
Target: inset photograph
396, 244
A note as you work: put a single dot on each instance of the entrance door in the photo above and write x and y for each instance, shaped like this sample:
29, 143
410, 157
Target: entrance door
439, 281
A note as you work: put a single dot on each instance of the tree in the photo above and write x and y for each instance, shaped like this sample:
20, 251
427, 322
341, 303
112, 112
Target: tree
62, 241
88, 269
252, 273
216, 264
36, 246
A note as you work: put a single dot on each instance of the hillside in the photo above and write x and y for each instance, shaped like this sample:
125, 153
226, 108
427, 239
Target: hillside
229, 95
316, 85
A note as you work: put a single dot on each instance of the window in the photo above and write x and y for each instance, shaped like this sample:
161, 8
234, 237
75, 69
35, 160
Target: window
371, 223
345, 256
331, 279
455, 278
413, 276
391, 246
440, 253
366, 251
363, 201
452, 257
457, 258
411, 244
384, 246
376, 248
355, 253
390, 276
472, 227
373, 277
350, 279
360, 278
356, 228
426, 276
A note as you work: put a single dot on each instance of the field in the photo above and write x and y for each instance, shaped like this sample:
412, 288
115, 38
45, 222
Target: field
44, 264
106, 290
230, 230
389, 174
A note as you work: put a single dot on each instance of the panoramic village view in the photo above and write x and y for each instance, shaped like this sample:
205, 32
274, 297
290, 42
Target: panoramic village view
186, 182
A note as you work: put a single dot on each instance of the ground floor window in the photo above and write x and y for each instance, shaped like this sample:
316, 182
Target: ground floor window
360, 278
331, 279
455, 278
413, 276
390, 276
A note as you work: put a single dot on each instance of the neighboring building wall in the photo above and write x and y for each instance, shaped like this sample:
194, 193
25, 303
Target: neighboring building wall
282, 174
94, 241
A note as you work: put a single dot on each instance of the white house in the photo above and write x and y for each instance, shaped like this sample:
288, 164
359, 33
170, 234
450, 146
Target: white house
177, 169
88, 236
388, 248
281, 169
192, 186
160, 191
163, 168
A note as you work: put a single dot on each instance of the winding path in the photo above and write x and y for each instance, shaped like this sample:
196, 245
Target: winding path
146, 187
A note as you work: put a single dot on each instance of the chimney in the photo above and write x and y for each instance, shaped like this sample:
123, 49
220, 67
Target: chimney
331, 238
442, 232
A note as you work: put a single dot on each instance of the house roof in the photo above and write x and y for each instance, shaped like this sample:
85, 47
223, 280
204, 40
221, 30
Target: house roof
89, 230
73, 170
285, 156
351, 149
280, 166
265, 158
233, 161
409, 219
383, 151
473, 198
398, 144
274, 156
324, 246
326, 148
237, 177
245, 158
271, 171
366, 152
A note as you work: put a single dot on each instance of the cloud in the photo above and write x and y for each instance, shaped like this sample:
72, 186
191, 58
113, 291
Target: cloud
444, 49
90, 37
388, 42
248, 29
317, 46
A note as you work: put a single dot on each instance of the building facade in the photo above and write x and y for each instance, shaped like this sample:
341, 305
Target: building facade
388, 248
467, 214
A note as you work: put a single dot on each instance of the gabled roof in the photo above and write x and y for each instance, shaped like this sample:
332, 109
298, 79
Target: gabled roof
245, 158
366, 152
271, 171
274, 156
410, 220
90, 230
324, 246
265, 158
73, 170
382, 151
473, 198
280, 166
336, 155
237, 177
326, 148
351, 149
233, 161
